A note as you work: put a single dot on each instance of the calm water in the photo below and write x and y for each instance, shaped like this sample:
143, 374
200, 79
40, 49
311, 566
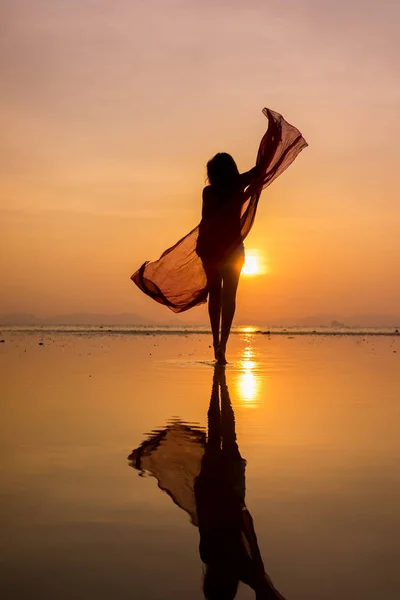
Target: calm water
194, 329
317, 421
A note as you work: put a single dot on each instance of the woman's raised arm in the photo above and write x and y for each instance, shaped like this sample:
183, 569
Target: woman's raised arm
247, 178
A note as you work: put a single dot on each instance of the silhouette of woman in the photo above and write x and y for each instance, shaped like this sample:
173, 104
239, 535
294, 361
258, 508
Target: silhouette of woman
207, 480
208, 260
220, 244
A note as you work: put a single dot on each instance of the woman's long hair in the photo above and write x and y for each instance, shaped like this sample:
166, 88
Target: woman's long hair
222, 171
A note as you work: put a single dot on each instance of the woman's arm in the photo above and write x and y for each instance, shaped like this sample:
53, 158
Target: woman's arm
247, 178
207, 201
265, 155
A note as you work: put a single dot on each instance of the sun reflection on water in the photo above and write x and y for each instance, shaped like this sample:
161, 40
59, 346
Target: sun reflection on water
248, 382
247, 329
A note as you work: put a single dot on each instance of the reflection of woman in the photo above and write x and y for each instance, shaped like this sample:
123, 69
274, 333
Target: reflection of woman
208, 259
207, 480
228, 543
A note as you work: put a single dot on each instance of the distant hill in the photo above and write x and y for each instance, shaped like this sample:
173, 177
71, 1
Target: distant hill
334, 320
362, 320
19, 319
327, 320
75, 319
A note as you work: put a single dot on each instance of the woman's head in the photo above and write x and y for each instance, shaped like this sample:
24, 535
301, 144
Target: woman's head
222, 171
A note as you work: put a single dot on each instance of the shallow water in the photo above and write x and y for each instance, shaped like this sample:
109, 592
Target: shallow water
317, 420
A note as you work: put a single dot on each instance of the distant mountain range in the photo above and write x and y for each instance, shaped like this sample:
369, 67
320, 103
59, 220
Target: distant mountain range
75, 319
362, 320
366, 320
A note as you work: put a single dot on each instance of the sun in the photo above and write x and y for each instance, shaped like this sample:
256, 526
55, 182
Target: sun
253, 263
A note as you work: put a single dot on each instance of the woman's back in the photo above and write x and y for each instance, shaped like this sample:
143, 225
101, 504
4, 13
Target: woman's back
220, 228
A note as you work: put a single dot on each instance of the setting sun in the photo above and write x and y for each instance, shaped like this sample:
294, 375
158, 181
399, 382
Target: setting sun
253, 263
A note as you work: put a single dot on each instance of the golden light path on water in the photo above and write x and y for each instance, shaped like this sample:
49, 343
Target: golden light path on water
248, 384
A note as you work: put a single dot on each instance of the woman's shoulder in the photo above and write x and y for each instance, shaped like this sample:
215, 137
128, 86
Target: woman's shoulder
209, 196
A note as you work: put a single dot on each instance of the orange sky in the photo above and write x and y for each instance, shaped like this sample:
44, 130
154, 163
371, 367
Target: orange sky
110, 111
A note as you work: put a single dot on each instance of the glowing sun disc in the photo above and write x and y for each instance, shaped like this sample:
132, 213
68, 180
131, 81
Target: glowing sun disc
252, 264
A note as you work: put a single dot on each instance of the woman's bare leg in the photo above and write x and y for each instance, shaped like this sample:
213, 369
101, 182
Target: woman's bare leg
230, 279
214, 310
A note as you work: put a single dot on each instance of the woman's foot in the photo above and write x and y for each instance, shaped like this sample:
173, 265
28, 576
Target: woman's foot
220, 355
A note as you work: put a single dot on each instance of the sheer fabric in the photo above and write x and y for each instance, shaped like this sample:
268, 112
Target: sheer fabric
173, 456
177, 279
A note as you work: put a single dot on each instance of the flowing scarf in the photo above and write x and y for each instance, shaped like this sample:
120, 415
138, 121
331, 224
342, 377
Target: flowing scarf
177, 279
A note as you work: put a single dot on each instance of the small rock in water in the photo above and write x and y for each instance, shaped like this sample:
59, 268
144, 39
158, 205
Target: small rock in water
41, 344
2, 341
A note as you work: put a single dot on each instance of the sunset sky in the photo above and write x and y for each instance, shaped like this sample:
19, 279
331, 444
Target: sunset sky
110, 110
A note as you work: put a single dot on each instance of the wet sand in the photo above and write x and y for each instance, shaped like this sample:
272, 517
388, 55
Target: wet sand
317, 419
